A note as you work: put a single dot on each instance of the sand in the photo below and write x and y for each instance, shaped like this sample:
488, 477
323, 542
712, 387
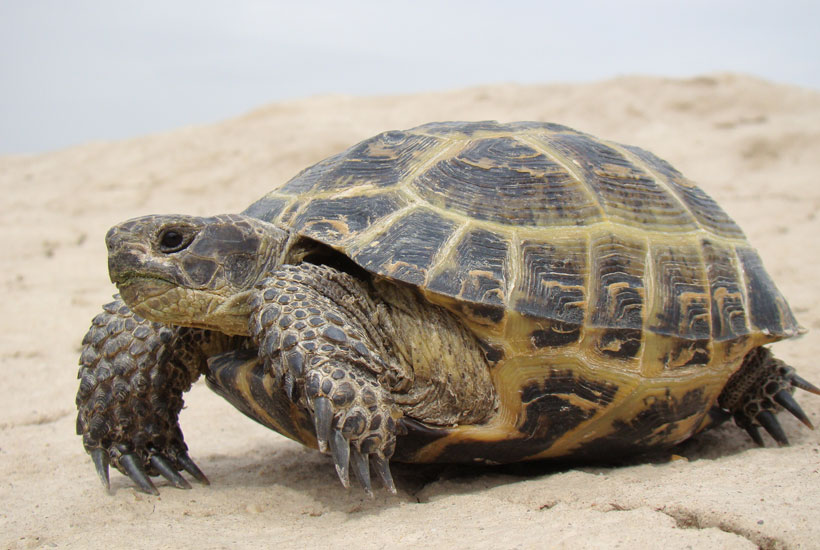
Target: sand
751, 144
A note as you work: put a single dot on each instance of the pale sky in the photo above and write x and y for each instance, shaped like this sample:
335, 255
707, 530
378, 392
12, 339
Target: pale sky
73, 71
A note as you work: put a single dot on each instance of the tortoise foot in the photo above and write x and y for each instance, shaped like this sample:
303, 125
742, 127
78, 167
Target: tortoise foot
762, 387
356, 422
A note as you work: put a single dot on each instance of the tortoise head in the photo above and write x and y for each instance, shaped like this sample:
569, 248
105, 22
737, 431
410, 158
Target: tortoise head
192, 271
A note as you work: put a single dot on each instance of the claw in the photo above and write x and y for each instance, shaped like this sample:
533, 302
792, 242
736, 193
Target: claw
751, 429
189, 466
340, 448
804, 385
382, 466
134, 469
771, 425
289, 385
785, 400
169, 472
322, 418
361, 467
100, 459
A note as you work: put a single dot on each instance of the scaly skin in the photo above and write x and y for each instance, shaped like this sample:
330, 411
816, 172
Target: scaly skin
132, 376
329, 361
762, 387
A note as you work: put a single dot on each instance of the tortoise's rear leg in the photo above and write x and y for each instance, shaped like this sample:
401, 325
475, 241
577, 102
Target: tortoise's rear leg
761, 387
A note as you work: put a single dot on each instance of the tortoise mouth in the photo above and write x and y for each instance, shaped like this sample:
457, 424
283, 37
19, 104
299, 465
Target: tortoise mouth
162, 301
137, 288
130, 277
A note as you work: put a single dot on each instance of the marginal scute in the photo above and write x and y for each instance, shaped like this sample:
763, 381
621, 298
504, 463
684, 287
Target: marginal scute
687, 353
554, 333
620, 343
767, 309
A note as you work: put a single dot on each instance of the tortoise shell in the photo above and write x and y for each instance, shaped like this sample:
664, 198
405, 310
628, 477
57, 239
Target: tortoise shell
609, 290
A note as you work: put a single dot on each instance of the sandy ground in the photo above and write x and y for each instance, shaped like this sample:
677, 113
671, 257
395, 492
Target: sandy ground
753, 145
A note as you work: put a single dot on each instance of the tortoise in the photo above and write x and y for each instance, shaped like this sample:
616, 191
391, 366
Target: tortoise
457, 292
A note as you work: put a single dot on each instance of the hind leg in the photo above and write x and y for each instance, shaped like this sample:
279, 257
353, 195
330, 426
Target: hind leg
760, 388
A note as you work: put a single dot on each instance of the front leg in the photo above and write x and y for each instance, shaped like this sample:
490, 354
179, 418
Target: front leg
316, 332
132, 376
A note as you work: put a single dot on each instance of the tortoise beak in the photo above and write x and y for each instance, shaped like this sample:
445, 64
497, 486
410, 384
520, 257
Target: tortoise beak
127, 248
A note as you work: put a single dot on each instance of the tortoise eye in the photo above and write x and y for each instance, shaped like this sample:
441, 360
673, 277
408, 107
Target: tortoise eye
172, 240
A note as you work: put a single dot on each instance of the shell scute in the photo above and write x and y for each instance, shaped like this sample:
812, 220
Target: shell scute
268, 208
504, 180
617, 280
627, 193
767, 309
378, 162
476, 272
682, 300
729, 319
405, 249
553, 290
704, 209
332, 220
617, 283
